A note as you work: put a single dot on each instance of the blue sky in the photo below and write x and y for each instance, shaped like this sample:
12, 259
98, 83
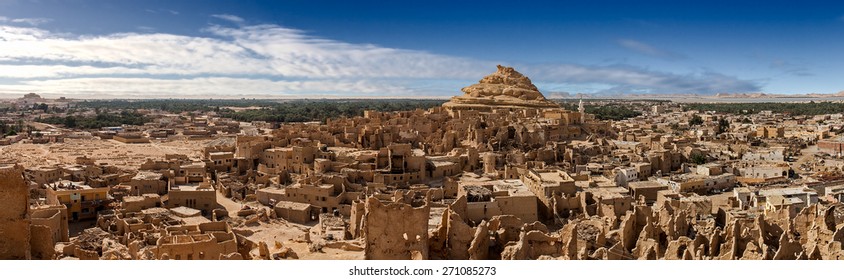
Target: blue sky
295, 49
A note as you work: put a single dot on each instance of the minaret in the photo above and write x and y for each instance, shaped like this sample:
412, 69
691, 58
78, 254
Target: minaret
582, 111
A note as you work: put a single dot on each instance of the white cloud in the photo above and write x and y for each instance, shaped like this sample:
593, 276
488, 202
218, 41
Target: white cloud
289, 52
218, 87
251, 50
232, 18
274, 60
59, 71
32, 21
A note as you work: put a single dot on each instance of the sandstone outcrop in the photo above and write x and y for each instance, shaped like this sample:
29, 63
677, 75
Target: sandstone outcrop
506, 88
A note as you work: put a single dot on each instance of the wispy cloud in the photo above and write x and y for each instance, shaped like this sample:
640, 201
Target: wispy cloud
279, 61
790, 68
200, 87
29, 21
646, 49
227, 17
622, 79
156, 11
145, 28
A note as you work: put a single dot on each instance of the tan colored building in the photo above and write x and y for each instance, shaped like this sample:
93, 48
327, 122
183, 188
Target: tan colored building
82, 201
130, 138
206, 241
43, 175
146, 182
138, 203
199, 196
486, 199
770, 132
646, 189
293, 211
53, 217
700, 184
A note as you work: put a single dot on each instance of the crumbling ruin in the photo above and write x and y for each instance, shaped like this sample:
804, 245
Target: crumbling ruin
499, 172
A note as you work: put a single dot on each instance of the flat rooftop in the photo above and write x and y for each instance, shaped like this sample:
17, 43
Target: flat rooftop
439, 163
185, 212
513, 187
292, 205
146, 175
645, 185
192, 187
691, 176
194, 165
786, 192
68, 185
37, 168
554, 176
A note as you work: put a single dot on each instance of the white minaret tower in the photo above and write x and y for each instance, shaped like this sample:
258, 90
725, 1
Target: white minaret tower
582, 111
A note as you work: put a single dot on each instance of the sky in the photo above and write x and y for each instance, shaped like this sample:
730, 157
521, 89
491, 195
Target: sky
415, 49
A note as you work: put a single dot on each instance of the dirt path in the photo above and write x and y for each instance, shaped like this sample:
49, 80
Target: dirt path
231, 206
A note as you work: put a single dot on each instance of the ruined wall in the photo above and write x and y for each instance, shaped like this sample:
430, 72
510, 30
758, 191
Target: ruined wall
41, 242
49, 225
14, 220
293, 212
395, 231
357, 210
523, 207
453, 238
216, 241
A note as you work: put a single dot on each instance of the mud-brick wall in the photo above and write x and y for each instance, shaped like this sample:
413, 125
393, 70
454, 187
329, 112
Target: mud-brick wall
395, 231
14, 223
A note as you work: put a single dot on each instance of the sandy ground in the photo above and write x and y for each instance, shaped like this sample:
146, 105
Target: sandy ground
231, 206
40, 126
103, 151
807, 156
292, 235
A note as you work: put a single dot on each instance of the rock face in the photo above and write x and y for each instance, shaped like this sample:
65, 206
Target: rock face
506, 88
505, 82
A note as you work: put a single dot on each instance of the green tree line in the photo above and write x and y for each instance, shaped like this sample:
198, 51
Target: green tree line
795, 109
98, 121
614, 112
301, 111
